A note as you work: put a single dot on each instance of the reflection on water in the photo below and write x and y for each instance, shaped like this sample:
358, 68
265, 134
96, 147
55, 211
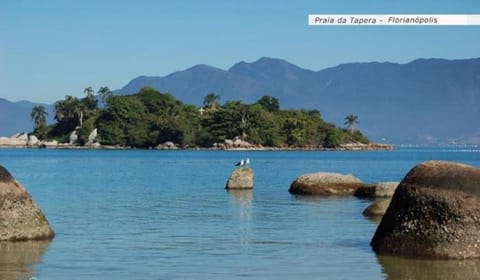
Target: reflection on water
17, 258
241, 200
409, 269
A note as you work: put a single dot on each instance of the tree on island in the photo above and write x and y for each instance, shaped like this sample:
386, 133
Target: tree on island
269, 103
104, 93
211, 101
351, 121
89, 91
39, 115
149, 118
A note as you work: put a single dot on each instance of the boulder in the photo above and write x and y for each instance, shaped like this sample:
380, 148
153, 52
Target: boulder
22, 137
381, 189
52, 143
434, 214
241, 178
91, 137
377, 208
20, 217
73, 138
323, 183
17, 141
33, 140
168, 145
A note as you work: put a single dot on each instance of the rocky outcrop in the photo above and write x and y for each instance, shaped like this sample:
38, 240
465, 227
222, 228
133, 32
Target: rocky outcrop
434, 213
73, 138
49, 144
168, 145
241, 178
357, 146
33, 140
377, 190
20, 217
17, 140
377, 208
91, 137
323, 183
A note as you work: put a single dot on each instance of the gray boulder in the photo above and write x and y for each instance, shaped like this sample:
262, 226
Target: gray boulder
33, 140
73, 137
434, 214
323, 183
377, 190
91, 137
241, 178
377, 208
20, 217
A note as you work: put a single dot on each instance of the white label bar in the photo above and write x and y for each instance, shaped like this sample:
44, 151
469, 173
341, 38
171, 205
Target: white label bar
394, 19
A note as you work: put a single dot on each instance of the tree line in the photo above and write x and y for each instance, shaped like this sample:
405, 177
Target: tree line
149, 118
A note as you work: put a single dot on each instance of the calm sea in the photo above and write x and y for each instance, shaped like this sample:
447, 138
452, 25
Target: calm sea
165, 215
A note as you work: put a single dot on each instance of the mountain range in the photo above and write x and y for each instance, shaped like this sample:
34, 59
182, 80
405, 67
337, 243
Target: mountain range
15, 116
426, 101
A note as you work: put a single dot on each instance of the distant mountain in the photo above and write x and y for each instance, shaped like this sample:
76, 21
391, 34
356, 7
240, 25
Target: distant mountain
15, 116
426, 101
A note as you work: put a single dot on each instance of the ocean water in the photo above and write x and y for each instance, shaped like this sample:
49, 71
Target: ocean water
140, 214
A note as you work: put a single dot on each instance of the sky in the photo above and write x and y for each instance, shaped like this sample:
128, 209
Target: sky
53, 48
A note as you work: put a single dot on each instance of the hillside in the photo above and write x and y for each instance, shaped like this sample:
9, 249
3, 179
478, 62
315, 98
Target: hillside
15, 116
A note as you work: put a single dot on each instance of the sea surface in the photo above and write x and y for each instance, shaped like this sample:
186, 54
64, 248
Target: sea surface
144, 214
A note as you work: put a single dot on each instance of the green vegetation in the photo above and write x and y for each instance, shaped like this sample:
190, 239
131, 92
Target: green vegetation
149, 118
39, 117
351, 121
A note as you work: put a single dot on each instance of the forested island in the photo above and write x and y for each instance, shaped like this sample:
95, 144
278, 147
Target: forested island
150, 118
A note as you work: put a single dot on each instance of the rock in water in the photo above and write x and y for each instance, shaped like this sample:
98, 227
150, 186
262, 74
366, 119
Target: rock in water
20, 217
377, 190
323, 183
377, 209
434, 214
241, 178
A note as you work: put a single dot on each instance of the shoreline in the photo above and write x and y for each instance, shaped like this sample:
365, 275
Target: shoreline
344, 147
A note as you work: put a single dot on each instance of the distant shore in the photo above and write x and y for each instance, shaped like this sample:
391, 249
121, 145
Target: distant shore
343, 147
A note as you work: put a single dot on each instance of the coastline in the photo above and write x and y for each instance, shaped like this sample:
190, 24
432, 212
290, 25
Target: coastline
343, 147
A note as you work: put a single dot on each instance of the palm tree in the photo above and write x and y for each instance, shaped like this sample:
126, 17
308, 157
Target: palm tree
351, 121
211, 100
39, 115
89, 92
104, 93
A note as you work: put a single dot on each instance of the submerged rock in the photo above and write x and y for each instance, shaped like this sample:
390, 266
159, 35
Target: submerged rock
434, 214
377, 209
20, 217
375, 190
241, 178
323, 183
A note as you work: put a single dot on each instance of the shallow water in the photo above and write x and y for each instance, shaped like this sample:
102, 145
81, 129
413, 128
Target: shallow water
165, 215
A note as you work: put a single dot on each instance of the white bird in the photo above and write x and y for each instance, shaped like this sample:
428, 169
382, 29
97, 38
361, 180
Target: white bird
247, 162
240, 163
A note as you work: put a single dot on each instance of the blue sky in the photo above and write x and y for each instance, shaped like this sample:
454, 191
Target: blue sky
52, 48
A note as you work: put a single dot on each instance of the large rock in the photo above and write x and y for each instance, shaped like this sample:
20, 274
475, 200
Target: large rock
33, 140
241, 178
377, 209
323, 183
17, 140
434, 213
377, 190
20, 217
